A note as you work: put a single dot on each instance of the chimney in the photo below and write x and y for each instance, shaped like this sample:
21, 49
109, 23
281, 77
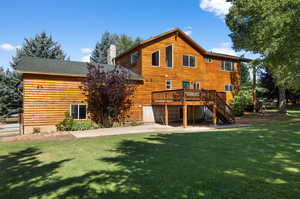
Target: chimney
111, 54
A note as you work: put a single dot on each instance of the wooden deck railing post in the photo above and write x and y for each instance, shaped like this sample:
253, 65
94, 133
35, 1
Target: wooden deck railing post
185, 122
214, 114
166, 115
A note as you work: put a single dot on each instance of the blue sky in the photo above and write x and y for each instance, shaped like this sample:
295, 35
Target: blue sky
78, 24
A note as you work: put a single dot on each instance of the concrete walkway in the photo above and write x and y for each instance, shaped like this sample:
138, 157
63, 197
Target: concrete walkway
8, 130
148, 128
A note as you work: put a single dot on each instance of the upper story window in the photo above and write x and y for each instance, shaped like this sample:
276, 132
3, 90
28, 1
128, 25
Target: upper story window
196, 85
189, 61
228, 87
78, 111
168, 84
155, 58
186, 84
227, 65
208, 60
134, 57
169, 56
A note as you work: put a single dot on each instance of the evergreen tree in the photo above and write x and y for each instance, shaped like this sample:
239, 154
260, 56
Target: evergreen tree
123, 42
245, 76
99, 54
41, 46
10, 92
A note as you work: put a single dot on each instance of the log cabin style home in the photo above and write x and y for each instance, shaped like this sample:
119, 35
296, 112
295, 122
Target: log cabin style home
178, 82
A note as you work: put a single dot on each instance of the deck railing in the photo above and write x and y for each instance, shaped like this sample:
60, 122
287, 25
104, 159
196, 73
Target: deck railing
186, 95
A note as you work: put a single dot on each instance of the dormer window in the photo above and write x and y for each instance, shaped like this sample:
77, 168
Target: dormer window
227, 66
155, 58
208, 60
134, 58
189, 61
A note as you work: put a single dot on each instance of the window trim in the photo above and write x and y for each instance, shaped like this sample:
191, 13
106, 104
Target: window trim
158, 58
196, 82
86, 112
207, 60
186, 81
224, 70
189, 66
172, 56
131, 55
168, 80
231, 86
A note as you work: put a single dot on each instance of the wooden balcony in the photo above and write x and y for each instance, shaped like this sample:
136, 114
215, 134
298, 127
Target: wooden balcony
186, 96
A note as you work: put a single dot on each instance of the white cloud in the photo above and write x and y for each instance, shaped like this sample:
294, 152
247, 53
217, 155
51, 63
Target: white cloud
85, 58
218, 7
8, 47
225, 48
189, 30
86, 50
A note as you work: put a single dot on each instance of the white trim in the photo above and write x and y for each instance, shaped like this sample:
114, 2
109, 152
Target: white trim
172, 56
86, 114
158, 58
189, 55
170, 84
231, 86
233, 63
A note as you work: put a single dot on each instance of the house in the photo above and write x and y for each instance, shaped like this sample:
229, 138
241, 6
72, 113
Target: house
177, 79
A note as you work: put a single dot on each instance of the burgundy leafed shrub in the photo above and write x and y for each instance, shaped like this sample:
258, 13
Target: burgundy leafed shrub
109, 94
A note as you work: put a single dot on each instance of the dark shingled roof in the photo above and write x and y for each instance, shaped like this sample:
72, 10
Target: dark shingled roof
62, 67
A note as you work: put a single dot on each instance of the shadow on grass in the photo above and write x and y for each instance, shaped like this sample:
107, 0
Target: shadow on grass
251, 163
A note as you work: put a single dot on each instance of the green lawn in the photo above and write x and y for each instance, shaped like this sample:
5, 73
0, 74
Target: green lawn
257, 162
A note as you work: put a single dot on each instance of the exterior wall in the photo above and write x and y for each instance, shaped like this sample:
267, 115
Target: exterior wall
47, 98
209, 75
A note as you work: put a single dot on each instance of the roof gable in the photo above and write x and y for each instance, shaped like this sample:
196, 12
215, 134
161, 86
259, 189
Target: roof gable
188, 39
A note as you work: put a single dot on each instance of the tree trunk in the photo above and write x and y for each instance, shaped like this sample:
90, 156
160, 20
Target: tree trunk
282, 101
254, 99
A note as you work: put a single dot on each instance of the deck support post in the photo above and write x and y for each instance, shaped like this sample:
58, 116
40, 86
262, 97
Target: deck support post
214, 114
166, 115
185, 116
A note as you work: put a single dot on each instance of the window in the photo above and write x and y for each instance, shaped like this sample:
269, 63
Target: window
196, 85
134, 57
168, 84
208, 60
227, 65
228, 87
186, 84
169, 56
78, 111
189, 61
155, 58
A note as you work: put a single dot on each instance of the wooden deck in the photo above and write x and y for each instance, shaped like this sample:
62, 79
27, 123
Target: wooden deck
216, 101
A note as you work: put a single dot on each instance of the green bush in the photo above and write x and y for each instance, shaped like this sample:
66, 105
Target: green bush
69, 124
240, 102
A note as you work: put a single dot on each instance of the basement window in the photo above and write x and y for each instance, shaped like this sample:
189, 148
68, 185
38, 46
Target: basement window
228, 87
78, 111
155, 58
168, 84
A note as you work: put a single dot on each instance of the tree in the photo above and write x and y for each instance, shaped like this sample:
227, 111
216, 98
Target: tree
270, 28
42, 46
109, 94
245, 76
10, 92
123, 42
99, 54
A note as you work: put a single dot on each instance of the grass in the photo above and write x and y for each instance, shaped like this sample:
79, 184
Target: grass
256, 162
